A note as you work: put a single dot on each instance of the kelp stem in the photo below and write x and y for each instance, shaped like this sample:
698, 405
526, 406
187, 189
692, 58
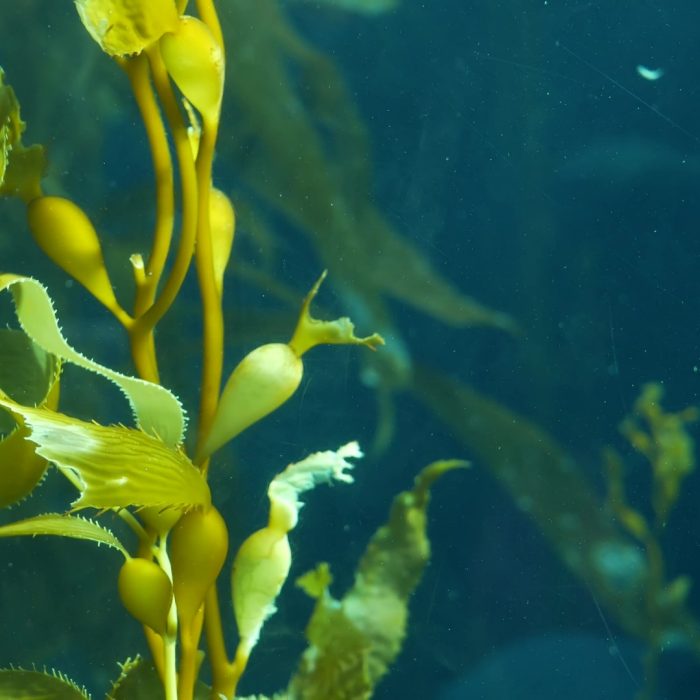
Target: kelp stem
223, 677
170, 678
213, 331
188, 186
208, 15
138, 73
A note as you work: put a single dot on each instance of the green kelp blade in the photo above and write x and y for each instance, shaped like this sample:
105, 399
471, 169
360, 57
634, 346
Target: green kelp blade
31, 376
24, 172
139, 680
18, 684
545, 483
63, 526
352, 642
262, 563
114, 466
21, 167
27, 372
11, 125
156, 410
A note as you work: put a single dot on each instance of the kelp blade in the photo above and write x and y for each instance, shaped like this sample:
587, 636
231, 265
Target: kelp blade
114, 466
354, 641
17, 684
63, 526
156, 410
31, 376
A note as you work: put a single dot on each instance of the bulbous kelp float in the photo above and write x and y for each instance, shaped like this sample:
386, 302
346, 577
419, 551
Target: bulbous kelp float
141, 470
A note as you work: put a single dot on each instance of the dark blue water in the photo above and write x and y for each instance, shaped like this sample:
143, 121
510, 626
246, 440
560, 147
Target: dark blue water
520, 151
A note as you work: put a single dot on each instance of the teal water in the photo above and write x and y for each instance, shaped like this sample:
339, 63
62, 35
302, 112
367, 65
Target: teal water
525, 153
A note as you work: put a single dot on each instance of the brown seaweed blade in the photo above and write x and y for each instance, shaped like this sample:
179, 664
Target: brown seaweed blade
545, 483
354, 641
321, 180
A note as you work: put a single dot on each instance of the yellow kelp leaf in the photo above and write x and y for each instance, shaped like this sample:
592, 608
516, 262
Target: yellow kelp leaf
18, 684
155, 409
11, 126
262, 563
663, 438
63, 526
317, 581
21, 167
270, 374
311, 331
124, 27
114, 466
632, 521
354, 641
21, 469
30, 376
24, 172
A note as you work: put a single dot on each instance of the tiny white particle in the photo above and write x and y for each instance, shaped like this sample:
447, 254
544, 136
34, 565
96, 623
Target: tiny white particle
650, 73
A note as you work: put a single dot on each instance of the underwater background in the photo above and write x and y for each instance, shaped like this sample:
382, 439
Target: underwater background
508, 191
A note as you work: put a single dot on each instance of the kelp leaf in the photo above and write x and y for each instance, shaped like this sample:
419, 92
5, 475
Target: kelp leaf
114, 466
27, 373
156, 410
354, 641
139, 680
21, 469
25, 169
262, 563
11, 126
123, 27
21, 167
311, 331
64, 526
547, 485
30, 376
18, 684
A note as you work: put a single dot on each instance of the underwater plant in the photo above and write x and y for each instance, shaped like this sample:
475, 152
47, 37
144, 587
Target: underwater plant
153, 475
610, 545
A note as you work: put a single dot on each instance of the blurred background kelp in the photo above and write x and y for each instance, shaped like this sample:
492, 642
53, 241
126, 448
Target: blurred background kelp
495, 188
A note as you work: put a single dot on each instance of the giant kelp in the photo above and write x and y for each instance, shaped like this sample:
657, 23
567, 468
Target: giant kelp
140, 469
324, 184
611, 547
300, 158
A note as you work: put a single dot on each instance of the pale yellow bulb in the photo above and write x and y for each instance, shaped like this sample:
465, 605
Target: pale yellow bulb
65, 233
146, 592
262, 382
198, 547
195, 61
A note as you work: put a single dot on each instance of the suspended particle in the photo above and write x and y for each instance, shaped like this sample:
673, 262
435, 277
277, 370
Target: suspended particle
650, 73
